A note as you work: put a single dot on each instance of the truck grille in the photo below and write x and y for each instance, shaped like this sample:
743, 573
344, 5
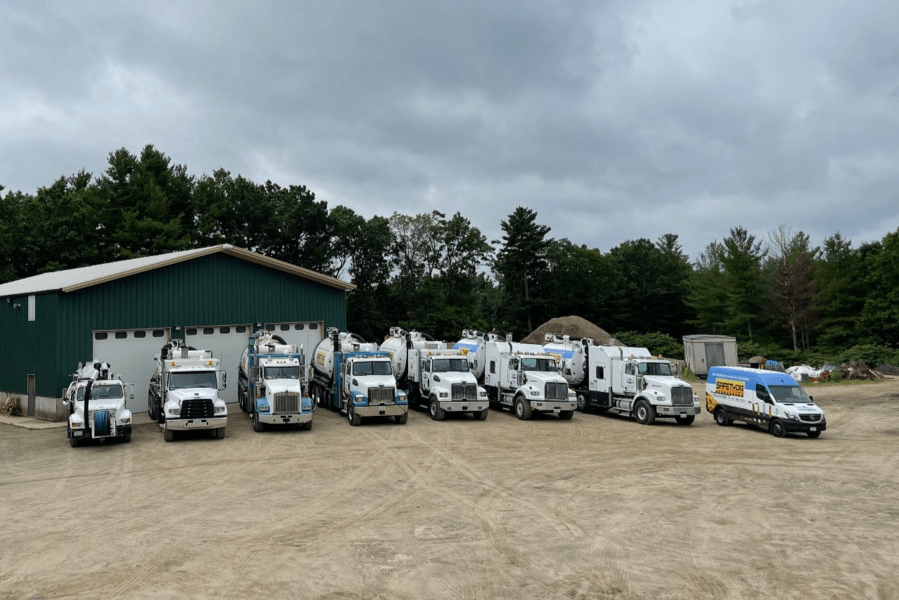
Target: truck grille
810, 418
682, 396
556, 391
465, 391
197, 408
287, 402
382, 395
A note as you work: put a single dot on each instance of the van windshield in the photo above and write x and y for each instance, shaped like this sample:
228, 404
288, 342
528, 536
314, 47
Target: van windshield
790, 394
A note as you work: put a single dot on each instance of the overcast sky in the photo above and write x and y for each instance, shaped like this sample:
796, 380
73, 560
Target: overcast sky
613, 120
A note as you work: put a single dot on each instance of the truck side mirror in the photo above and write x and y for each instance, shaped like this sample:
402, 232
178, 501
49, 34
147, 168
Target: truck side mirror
223, 383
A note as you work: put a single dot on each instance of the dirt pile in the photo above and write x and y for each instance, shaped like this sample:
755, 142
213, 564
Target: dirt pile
856, 369
570, 326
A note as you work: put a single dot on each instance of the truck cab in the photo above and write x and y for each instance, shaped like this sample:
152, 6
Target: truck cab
768, 399
271, 384
449, 386
97, 405
368, 389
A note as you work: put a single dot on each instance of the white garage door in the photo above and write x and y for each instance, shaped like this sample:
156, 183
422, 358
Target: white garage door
130, 353
227, 343
306, 334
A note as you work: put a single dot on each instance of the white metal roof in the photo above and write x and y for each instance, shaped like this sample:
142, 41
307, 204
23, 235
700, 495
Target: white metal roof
76, 279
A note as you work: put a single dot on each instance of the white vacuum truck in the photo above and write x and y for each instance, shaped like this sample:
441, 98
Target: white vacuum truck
521, 377
271, 382
627, 381
96, 401
184, 391
434, 375
352, 376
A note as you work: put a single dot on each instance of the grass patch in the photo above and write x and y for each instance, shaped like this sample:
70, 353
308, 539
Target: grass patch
842, 382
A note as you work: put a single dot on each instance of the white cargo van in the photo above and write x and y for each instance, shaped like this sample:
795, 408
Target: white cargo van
769, 399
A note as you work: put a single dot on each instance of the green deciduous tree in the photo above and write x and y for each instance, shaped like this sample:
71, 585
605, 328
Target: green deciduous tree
792, 288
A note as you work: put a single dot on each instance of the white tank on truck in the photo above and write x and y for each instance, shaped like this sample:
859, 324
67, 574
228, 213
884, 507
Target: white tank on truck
627, 381
521, 377
184, 389
97, 405
355, 377
271, 384
434, 375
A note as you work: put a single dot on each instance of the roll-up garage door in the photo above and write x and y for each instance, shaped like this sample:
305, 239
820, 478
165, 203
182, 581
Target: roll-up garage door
227, 343
306, 334
130, 353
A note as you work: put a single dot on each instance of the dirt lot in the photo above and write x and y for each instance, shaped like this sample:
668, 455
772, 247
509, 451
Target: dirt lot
596, 507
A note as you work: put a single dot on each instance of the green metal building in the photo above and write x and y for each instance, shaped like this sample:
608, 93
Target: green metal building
124, 312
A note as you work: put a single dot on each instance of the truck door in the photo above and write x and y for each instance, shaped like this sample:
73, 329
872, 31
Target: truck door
630, 379
511, 380
425, 375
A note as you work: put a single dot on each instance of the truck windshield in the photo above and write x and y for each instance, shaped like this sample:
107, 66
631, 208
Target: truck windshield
284, 372
450, 365
106, 391
381, 367
538, 364
654, 368
790, 394
201, 379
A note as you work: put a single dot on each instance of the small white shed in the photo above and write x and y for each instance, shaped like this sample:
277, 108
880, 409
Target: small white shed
702, 352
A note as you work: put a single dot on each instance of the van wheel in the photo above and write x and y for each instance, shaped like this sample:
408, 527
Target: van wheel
437, 413
813, 434
688, 420
645, 413
721, 418
777, 428
522, 409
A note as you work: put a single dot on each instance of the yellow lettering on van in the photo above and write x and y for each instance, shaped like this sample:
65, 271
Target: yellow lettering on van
727, 387
710, 402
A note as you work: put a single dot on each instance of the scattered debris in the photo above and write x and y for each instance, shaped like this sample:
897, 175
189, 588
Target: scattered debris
856, 369
10, 406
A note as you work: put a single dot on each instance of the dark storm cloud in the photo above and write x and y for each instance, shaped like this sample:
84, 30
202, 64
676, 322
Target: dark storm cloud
614, 120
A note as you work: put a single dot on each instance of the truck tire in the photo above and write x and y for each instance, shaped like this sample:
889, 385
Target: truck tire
151, 407
721, 418
307, 426
219, 433
241, 399
645, 412
351, 416
434, 409
687, 420
522, 409
582, 402
257, 424
566, 415
777, 428
126, 438
73, 441
401, 419
168, 434
481, 415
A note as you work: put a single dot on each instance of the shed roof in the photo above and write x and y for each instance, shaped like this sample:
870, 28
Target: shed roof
71, 280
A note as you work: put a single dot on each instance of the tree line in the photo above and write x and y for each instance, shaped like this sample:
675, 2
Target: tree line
438, 273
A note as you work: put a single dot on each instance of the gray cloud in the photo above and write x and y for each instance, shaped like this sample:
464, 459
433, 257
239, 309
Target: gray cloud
614, 120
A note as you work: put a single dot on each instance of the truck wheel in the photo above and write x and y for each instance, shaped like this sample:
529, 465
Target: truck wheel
522, 409
73, 441
168, 434
688, 420
307, 426
220, 433
257, 424
351, 415
401, 419
777, 428
645, 412
151, 407
813, 434
126, 437
437, 413
241, 400
481, 415
566, 415
582, 402
721, 418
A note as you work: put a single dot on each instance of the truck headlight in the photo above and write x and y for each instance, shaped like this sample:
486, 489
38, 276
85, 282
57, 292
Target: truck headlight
535, 392
175, 412
307, 403
660, 398
262, 405
220, 410
444, 394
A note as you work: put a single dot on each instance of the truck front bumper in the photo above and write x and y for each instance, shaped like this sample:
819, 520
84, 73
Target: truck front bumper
677, 411
458, 406
389, 410
187, 424
270, 419
555, 406
87, 434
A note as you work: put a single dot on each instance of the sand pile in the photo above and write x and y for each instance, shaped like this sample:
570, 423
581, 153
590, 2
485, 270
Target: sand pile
571, 326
